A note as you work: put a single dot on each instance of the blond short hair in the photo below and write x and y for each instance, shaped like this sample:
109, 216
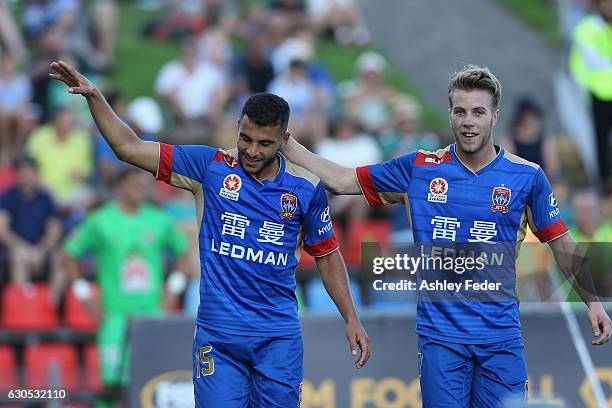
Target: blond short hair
474, 77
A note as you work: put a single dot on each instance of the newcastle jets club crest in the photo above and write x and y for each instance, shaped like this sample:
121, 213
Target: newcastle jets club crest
501, 199
288, 203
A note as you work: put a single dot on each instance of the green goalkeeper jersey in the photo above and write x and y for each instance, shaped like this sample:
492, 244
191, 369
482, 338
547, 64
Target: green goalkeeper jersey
129, 252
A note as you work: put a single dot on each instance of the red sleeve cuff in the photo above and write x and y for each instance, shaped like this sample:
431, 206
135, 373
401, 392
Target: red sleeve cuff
322, 248
164, 167
364, 178
551, 232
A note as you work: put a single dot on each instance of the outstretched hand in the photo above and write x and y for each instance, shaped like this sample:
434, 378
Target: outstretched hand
77, 83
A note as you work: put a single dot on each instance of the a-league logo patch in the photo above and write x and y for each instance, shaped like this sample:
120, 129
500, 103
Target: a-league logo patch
438, 188
501, 198
288, 203
231, 185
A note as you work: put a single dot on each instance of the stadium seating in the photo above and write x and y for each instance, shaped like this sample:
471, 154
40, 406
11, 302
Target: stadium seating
76, 315
378, 231
43, 362
92, 371
8, 368
28, 307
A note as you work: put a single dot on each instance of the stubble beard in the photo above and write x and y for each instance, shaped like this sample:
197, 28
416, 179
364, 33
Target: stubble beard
473, 149
267, 163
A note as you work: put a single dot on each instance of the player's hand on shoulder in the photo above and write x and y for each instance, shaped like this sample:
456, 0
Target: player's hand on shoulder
77, 83
359, 342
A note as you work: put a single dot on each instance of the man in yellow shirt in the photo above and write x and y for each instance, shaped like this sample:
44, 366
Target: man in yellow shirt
63, 153
591, 65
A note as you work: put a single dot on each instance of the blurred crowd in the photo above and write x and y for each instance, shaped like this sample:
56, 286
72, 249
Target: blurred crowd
55, 168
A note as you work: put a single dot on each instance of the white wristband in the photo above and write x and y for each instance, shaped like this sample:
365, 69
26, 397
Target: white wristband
82, 289
177, 282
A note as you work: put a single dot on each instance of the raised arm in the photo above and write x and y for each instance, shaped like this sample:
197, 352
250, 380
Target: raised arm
337, 179
574, 266
124, 142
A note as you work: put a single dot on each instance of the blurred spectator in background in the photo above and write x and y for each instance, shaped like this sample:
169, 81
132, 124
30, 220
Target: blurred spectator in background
604, 232
129, 239
306, 100
223, 14
292, 11
588, 217
404, 135
593, 225
298, 45
181, 19
370, 100
52, 47
340, 18
11, 41
591, 65
252, 69
105, 16
74, 24
528, 139
349, 147
196, 94
301, 46
41, 15
64, 155
31, 229
214, 47
15, 95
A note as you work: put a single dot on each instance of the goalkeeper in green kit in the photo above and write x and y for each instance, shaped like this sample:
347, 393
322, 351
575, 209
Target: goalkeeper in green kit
128, 239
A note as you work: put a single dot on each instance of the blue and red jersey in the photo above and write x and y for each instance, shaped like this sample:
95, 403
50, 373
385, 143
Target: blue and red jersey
448, 203
251, 236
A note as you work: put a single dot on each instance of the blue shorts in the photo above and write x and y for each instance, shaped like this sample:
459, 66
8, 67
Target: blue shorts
471, 375
232, 371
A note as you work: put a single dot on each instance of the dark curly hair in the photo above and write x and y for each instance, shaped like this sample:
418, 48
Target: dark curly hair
266, 109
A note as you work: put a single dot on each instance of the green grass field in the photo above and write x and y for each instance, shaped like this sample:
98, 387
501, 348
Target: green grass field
138, 59
541, 15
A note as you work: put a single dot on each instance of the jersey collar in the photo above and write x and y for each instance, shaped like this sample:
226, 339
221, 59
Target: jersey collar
490, 165
282, 161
